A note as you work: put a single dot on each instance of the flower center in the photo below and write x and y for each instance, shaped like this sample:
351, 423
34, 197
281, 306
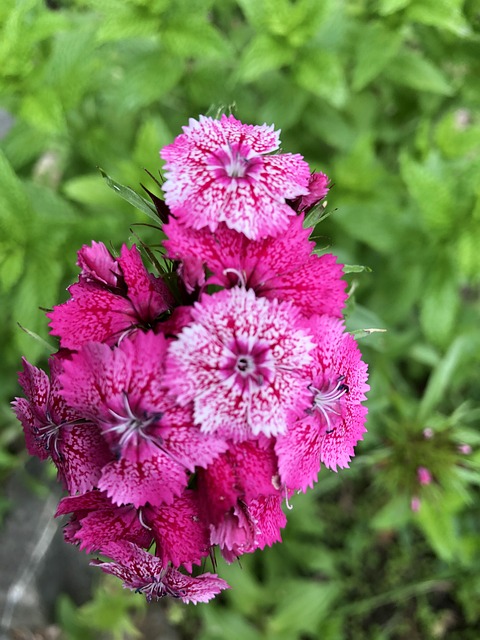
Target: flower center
129, 427
327, 401
234, 161
247, 362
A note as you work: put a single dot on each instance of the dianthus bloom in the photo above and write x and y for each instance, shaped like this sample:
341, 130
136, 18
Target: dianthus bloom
186, 406
241, 362
217, 171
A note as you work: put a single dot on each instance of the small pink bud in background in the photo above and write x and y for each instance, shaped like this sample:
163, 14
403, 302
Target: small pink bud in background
424, 476
466, 449
428, 433
415, 504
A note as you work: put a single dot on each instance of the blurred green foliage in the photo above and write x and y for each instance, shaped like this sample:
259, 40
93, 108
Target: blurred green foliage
384, 96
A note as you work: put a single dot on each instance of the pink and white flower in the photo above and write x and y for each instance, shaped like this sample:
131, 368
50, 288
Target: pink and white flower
217, 171
335, 421
242, 363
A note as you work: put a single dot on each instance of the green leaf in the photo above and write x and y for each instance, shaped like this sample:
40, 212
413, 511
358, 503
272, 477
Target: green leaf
322, 73
376, 46
411, 69
355, 268
387, 7
442, 375
195, 38
264, 53
302, 606
456, 135
432, 188
444, 14
132, 197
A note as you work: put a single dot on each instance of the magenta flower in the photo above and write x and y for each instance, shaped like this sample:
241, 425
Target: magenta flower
217, 171
283, 268
55, 430
145, 573
334, 423
241, 362
112, 298
154, 442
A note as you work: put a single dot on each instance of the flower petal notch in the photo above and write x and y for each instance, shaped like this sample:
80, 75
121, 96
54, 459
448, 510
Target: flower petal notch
218, 171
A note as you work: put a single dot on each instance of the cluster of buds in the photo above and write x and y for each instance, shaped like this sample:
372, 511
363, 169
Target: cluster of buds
184, 409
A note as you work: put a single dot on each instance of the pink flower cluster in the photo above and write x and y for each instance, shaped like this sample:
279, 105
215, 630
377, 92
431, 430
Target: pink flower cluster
183, 411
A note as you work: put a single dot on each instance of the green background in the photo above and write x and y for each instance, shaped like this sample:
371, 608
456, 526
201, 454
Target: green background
383, 96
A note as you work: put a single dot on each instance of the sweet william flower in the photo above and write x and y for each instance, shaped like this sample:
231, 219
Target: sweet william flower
147, 574
218, 171
318, 187
241, 362
154, 442
335, 421
113, 298
282, 268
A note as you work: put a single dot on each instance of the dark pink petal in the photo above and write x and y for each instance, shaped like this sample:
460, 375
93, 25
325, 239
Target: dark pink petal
149, 295
82, 454
92, 314
267, 514
249, 526
143, 474
283, 268
299, 454
182, 536
98, 264
98, 380
185, 442
25, 413
36, 386
142, 572
97, 522
318, 188
244, 472
83, 504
